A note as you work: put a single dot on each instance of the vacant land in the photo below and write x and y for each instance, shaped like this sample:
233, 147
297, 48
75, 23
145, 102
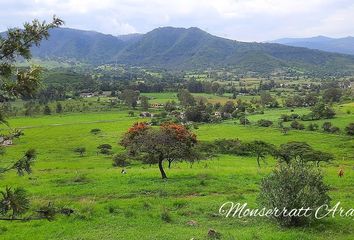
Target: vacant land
139, 205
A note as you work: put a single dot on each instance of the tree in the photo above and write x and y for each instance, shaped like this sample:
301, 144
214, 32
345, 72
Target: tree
185, 97
229, 107
301, 152
350, 129
15, 44
105, 148
261, 149
321, 110
80, 150
332, 95
46, 110
266, 98
144, 103
292, 151
59, 108
120, 160
130, 97
169, 142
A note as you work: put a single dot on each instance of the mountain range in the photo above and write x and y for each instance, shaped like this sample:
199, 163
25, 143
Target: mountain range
338, 45
186, 48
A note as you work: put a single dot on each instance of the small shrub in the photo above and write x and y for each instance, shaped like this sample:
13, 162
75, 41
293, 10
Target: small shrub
105, 148
165, 216
80, 150
244, 121
296, 125
294, 186
327, 126
120, 160
95, 131
264, 123
312, 127
47, 110
350, 129
334, 130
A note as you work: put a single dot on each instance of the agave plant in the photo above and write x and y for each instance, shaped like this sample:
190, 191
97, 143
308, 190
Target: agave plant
14, 201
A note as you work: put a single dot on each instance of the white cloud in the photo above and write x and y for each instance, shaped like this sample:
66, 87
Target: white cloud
238, 19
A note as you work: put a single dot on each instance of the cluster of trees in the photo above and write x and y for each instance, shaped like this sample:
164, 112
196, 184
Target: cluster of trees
174, 142
287, 153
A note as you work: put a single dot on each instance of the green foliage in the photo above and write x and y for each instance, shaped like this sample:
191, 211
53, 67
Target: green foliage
59, 108
120, 160
332, 95
301, 152
264, 123
171, 142
192, 48
14, 201
312, 127
297, 125
105, 148
47, 110
95, 131
185, 98
350, 129
261, 149
321, 110
294, 186
144, 103
80, 150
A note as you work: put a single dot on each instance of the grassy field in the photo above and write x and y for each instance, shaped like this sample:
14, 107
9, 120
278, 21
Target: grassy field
139, 205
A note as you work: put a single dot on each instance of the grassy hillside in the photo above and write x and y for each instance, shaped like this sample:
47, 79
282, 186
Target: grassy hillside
139, 205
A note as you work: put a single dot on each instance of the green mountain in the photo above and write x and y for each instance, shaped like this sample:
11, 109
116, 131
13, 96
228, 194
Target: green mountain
86, 46
181, 48
339, 45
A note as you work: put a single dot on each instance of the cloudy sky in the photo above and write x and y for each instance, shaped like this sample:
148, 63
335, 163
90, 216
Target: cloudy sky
244, 20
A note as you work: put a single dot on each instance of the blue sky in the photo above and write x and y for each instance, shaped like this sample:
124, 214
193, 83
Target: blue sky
244, 20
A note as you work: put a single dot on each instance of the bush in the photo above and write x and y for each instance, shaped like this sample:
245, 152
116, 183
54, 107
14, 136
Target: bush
312, 127
264, 123
244, 121
296, 125
80, 150
334, 130
350, 129
165, 216
47, 110
326, 126
294, 186
95, 131
120, 160
105, 148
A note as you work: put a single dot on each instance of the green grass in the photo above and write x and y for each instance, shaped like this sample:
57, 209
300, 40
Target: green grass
109, 205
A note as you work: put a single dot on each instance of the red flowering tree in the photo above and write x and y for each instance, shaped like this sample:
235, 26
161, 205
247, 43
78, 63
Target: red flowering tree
170, 142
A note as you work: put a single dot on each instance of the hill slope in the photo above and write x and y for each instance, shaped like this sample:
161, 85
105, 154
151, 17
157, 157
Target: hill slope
338, 45
192, 48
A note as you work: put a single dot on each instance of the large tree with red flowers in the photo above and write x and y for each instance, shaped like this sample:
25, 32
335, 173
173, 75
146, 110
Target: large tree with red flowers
170, 142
